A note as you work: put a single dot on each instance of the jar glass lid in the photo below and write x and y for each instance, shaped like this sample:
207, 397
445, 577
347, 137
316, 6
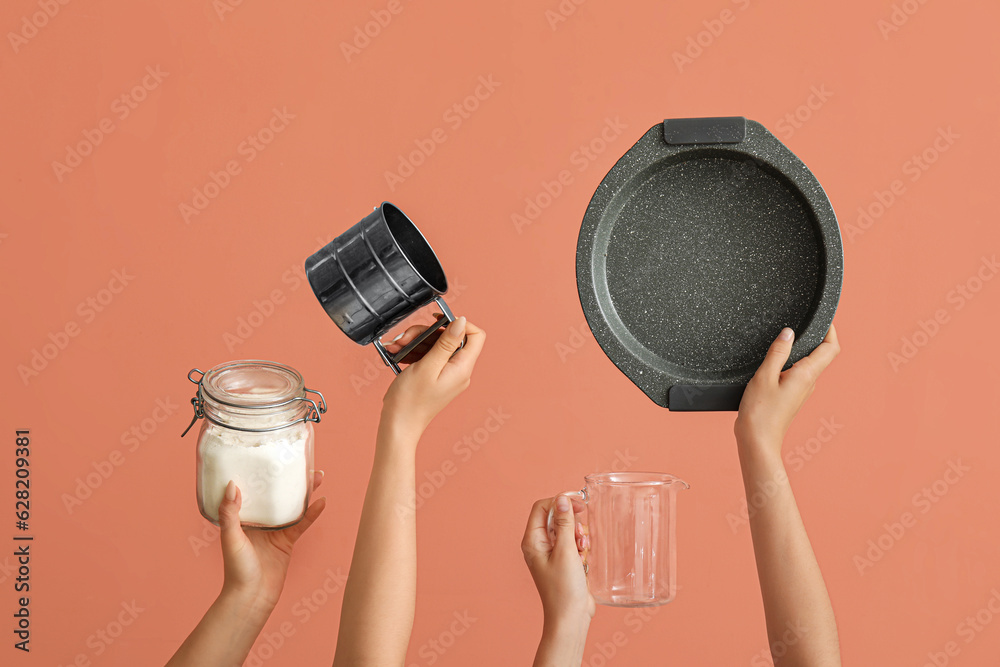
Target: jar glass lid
253, 383
253, 390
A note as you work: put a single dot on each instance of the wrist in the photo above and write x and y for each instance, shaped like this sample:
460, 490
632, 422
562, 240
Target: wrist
566, 623
564, 639
396, 426
760, 457
245, 603
758, 444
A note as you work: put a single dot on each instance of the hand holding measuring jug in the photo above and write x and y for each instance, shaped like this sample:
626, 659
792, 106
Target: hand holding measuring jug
631, 554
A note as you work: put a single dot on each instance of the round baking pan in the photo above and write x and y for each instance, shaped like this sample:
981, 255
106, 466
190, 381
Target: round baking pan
704, 240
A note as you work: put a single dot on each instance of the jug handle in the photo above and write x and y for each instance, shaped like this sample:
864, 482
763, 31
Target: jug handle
550, 526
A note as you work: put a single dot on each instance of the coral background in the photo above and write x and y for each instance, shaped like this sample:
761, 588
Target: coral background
861, 91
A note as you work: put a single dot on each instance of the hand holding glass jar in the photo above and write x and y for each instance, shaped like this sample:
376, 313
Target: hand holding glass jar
258, 434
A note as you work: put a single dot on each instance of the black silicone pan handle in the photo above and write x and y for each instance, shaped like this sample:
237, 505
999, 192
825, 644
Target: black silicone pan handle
722, 130
704, 397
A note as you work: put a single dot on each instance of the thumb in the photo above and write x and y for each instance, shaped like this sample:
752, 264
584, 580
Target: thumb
232, 536
777, 355
446, 345
564, 524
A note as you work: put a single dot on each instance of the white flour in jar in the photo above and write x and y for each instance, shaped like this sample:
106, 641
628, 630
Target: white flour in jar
270, 468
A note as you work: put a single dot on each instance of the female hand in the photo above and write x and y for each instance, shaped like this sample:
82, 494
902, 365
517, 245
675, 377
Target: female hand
256, 561
444, 371
557, 567
791, 584
773, 397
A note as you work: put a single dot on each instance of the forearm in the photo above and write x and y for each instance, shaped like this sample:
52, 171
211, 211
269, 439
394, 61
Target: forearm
380, 595
225, 635
562, 643
797, 607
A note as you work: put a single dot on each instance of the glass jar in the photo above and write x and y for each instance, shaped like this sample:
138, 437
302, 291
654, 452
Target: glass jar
257, 432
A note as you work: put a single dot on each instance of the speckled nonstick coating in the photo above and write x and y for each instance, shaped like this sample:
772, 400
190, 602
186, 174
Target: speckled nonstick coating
694, 254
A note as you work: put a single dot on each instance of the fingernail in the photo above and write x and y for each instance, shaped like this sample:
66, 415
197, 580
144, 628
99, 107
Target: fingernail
457, 327
562, 504
231, 491
397, 338
786, 334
